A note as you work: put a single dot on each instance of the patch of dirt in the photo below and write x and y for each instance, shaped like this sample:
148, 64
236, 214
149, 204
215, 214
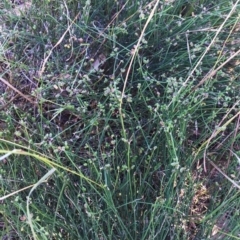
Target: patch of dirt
21, 7
209, 191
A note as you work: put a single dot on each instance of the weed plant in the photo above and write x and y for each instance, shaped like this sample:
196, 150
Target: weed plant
126, 130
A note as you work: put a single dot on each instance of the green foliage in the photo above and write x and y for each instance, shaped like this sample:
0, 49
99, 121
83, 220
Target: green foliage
129, 131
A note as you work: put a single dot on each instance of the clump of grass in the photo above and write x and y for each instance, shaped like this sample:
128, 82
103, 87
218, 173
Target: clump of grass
126, 106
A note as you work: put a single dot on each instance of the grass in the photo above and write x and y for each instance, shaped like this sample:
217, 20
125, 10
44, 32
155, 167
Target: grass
125, 123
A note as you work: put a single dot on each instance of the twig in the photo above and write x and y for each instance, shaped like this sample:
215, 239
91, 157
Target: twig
10, 101
218, 130
17, 91
51, 50
212, 72
207, 49
228, 178
234, 137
